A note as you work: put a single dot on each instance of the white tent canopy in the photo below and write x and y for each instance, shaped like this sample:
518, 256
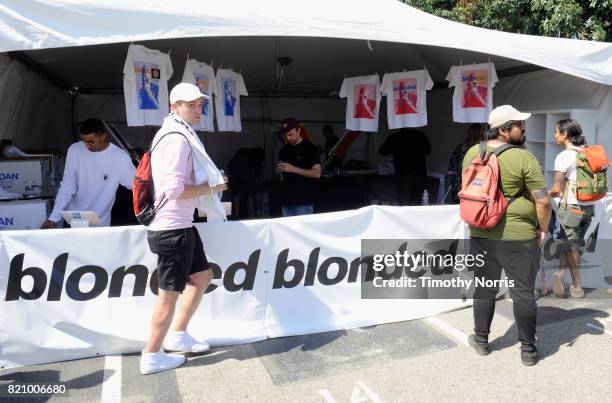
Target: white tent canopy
83, 44
41, 24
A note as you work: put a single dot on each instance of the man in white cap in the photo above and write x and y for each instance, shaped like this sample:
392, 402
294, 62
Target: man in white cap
182, 266
514, 243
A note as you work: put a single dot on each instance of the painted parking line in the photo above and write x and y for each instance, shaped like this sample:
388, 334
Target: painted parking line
369, 392
361, 393
111, 388
456, 334
327, 396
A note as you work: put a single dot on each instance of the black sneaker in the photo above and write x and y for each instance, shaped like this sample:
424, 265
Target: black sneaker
481, 348
530, 358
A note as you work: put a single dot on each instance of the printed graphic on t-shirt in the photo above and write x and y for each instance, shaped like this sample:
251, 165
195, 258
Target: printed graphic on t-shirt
365, 101
147, 84
405, 96
474, 85
203, 82
229, 96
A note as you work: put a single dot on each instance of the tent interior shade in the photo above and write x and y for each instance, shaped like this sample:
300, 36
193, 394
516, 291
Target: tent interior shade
83, 43
317, 67
40, 24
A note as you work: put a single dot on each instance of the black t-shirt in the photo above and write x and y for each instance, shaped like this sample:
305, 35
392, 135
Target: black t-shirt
409, 148
296, 189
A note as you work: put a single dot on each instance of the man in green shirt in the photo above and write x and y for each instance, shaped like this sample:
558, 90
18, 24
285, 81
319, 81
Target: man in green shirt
514, 243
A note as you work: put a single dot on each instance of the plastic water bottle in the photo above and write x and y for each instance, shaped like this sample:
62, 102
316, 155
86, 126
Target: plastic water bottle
425, 198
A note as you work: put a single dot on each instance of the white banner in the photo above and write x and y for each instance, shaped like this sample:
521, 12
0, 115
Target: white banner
67, 294
64, 294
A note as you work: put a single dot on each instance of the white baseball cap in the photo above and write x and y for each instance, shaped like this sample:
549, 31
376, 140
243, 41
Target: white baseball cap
186, 92
505, 113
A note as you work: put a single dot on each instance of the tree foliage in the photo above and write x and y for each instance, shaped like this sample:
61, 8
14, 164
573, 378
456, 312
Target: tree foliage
576, 19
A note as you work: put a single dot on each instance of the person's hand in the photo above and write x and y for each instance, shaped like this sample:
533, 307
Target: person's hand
219, 188
285, 167
47, 224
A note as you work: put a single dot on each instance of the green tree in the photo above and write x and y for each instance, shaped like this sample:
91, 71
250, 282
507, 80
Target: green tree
578, 19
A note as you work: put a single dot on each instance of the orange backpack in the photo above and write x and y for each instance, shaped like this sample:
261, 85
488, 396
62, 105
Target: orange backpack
482, 203
591, 173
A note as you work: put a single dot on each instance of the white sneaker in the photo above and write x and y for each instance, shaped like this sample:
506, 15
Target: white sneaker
182, 341
558, 284
576, 292
151, 363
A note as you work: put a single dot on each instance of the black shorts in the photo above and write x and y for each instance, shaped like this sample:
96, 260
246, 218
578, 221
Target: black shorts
180, 253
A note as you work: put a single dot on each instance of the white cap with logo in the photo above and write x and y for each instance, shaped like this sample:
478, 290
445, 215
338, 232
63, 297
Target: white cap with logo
186, 92
505, 113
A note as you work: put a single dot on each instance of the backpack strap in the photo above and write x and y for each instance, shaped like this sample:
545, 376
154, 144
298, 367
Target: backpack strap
163, 198
484, 155
566, 183
497, 151
162, 137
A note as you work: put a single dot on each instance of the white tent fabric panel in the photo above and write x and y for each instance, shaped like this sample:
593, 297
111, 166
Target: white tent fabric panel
40, 24
546, 90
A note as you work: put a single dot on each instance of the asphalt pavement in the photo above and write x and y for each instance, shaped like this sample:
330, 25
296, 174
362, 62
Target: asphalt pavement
420, 360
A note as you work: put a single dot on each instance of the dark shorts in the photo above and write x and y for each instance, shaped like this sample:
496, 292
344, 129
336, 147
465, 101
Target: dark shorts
180, 253
574, 220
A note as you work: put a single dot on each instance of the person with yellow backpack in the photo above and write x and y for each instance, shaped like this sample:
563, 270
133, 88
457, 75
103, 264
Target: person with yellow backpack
580, 180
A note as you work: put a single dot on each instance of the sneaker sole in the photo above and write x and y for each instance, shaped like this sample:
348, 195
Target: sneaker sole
163, 369
558, 287
170, 350
477, 347
530, 363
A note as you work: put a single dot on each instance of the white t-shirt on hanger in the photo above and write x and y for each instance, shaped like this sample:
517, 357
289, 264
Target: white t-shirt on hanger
473, 97
230, 86
406, 98
145, 85
363, 100
202, 75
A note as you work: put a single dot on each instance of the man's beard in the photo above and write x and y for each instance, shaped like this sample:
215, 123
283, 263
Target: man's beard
518, 142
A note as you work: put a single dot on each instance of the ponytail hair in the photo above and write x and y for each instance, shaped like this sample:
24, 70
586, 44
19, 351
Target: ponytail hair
572, 129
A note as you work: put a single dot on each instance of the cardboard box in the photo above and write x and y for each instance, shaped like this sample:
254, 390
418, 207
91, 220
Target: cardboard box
23, 214
29, 176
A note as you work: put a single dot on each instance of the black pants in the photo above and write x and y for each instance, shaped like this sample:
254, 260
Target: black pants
410, 189
521, 261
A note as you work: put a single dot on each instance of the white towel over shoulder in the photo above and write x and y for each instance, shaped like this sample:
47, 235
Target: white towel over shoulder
204, 168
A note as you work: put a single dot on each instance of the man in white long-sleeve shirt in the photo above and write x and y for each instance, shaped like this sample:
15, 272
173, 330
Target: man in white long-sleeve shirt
182, 267
94, 170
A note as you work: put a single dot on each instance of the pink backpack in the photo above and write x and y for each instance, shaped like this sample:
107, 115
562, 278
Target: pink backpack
482, 203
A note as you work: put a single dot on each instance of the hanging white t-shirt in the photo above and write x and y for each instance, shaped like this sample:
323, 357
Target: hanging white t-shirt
145, 86
406, 98
202, 75
91, 180
230, 86
473, 97
362, 101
